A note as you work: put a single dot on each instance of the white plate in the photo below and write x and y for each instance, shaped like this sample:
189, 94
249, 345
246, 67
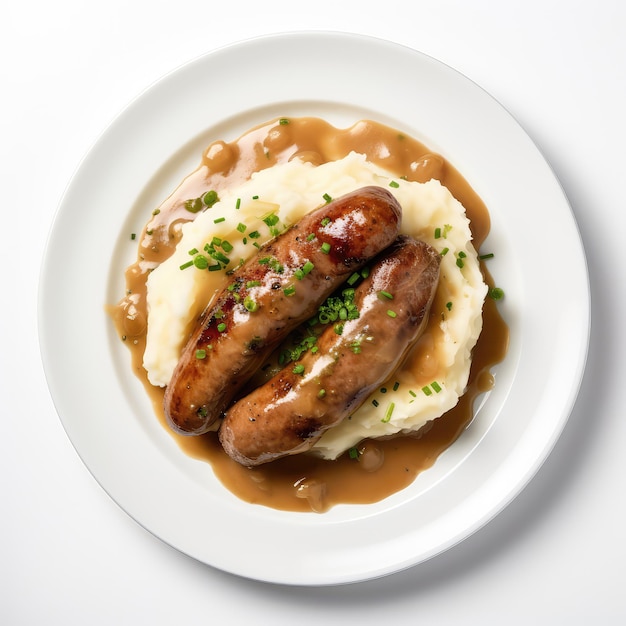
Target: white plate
144, 154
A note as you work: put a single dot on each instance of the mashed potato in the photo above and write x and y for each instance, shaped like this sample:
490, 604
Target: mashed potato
435, 375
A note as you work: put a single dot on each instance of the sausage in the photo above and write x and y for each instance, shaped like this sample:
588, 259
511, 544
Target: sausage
269, 295
290, 412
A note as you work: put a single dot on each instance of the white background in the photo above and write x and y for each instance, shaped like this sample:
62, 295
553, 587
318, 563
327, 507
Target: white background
70, 555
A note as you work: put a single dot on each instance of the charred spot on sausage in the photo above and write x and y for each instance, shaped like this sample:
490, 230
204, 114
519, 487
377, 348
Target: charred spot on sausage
281, 387
255, 344
306, 429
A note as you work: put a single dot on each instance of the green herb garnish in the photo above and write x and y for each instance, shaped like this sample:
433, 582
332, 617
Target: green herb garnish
388, 413
210, 198
495, 293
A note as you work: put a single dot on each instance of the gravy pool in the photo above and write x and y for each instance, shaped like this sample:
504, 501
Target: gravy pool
304, 482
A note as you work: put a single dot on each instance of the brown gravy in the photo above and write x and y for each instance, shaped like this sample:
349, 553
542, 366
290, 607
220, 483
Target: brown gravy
303, 482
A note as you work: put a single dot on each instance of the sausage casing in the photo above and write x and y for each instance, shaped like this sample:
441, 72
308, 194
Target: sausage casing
269, 295
290, 412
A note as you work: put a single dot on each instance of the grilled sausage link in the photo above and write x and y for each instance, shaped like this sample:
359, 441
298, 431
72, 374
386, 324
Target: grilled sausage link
290, 412
269, 296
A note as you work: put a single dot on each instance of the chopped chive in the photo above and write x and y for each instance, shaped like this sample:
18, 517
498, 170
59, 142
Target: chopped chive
459, 263
255, 234
218, 256
449, 306
194, 205
271, 220
394, 184
275, 230
489, 255
353, 453
227, 246
133, 236
299, 274
396, 385
250, 305
238, 203
298, 369
437, 233
462, 254
310, 237
219, 220
412, 393
321, 393
328, 199
445, 251
388, 413
436, 387
290, 290
391, 313
375, 402
385, 294
193, 251
325, 248
338, 329
255, 197
427, 391
277, 266
241, 227
210, 198
307, 267
184, 266
283, 121
221, 327
200, 354
495, 293
353, 279
215, 268
325, 221
201, 262
365, 272
253, 283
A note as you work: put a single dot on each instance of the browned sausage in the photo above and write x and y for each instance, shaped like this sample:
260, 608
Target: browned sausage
269, 296
290, 412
